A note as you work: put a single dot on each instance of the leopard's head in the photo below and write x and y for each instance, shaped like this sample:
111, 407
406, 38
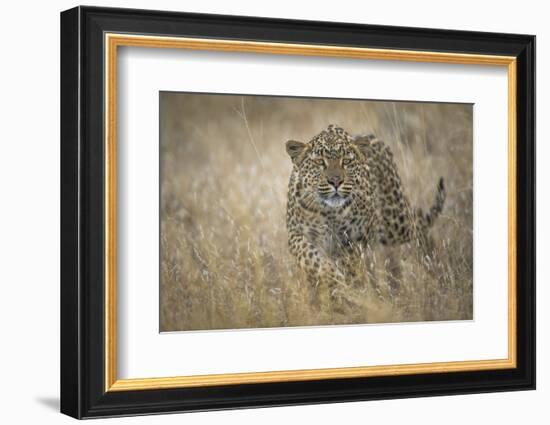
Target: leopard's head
328, 168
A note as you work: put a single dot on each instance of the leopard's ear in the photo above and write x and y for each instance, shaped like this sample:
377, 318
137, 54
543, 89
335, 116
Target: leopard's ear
295, 150
363, 142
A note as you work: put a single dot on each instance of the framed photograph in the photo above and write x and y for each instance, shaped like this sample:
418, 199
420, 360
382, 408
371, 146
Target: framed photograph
260, 212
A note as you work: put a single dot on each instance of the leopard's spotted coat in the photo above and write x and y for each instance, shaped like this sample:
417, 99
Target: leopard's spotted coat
345, 191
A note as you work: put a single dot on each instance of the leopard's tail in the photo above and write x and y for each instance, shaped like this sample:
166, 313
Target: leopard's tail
438, 204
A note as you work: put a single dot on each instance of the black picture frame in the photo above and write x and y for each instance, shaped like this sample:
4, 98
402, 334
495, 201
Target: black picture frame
83, 392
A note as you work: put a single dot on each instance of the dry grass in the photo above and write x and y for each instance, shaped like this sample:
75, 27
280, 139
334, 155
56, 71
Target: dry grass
224, 175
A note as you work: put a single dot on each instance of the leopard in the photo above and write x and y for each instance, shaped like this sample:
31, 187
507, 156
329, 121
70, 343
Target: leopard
345, 193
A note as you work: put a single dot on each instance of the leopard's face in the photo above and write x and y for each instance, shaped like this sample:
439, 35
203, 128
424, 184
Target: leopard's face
328, 169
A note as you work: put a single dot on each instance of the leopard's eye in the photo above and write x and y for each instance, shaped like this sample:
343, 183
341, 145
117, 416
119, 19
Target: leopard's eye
319, 161
346, 161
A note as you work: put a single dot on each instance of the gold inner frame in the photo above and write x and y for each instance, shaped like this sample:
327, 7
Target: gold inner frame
113, 41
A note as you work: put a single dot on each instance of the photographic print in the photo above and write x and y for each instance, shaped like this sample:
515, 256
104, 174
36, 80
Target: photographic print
333, 214
289, 211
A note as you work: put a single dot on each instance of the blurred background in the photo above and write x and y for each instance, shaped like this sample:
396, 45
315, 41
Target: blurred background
224, 174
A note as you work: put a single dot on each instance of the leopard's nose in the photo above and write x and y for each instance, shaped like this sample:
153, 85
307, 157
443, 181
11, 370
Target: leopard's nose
335, 181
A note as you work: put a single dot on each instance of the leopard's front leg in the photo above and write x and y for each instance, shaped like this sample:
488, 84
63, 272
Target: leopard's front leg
322, 272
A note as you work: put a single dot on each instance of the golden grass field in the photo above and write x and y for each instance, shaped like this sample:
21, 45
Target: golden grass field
224, 173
